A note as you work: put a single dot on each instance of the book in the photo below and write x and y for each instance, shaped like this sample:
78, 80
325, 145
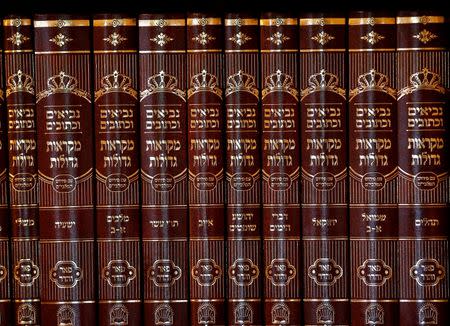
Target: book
65, 164
243, 169
117, 169
5, 293
280, 145
206, 163
323, 134
23, 170
423, 167
373, 168
164, 168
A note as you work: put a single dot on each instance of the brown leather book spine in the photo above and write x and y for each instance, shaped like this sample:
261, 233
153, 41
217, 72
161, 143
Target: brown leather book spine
5, 293
280, 145
163, 111
324, 168
373, 169
65, 164
206, 169
423, 82
243, 169
117, 169
23, 170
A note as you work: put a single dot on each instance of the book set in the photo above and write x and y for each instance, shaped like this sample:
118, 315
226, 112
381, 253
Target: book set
172, 169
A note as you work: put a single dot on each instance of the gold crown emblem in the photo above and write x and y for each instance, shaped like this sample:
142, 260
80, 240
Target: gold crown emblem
374, 315
428, 315
204, 82
325, 314
280, 314
243, 314
241, 82
62, 83
323, 81
279, 82
116, 82
66, 316
26, 314
423, 80
206, 314
20, 82
118, 315
164, 315
162, 83
373, 80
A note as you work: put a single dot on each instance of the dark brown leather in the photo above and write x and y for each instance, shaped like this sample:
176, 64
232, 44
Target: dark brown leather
117, 168
65, 161
324, 168
162, 82
243, 169
423, 185
23, 170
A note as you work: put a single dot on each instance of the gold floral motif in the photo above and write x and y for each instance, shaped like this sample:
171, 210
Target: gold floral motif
240, 38
114, 39
203, 38
323, 38
18, 38
61, 40
425, 36
372, 37
161, 39
278, 38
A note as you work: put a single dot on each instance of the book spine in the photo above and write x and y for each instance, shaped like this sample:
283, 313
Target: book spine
117, 169
280, 169
163, 111
323, 121
65, 164
206, 169
5, 294
423, 188
243, 169
373, 169
23, 170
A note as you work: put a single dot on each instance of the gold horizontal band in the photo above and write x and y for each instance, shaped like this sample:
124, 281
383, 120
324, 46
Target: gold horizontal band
161, 22
371, 50
62, 23
243, 50
204, 21
166, 301
17, 22
279, 22
244, 300
204, 50
423, 300
421, 20
68, 302
279, 50
67, 241
372, 21
115, 22
162, 51
241, 22
64, 52
422, 49
26, 300
322, 50
374, 300
119, 301
321, 21
325, 300
282, 300
18, 51
114, 51
207, 300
